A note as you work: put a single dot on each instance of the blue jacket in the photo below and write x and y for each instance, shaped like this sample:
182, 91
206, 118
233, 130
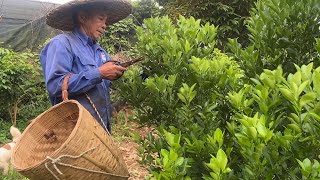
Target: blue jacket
76, 53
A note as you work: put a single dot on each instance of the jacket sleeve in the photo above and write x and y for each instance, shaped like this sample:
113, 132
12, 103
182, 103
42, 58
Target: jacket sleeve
56, 60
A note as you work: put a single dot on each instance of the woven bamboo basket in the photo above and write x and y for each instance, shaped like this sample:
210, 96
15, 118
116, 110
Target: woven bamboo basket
66, 142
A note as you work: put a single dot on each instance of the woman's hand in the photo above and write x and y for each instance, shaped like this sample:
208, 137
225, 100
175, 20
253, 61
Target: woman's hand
111, 71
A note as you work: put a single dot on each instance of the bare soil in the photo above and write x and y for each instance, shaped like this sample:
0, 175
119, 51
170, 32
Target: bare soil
121, 134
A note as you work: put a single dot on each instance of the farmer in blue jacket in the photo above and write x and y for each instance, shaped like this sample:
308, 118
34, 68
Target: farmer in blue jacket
76, 54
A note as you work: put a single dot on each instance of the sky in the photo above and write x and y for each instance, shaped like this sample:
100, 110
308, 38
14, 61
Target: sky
57, 1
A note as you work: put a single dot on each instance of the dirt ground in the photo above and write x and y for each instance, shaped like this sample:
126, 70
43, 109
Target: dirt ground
127, 145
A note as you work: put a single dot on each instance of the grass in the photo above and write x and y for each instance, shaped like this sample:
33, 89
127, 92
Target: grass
13, 175
122, 131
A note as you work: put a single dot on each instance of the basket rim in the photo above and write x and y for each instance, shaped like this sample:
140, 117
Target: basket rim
62, 145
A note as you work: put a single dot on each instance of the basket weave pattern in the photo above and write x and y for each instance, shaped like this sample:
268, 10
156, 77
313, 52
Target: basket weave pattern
72, 132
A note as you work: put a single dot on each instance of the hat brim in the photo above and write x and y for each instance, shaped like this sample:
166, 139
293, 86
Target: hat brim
62, 16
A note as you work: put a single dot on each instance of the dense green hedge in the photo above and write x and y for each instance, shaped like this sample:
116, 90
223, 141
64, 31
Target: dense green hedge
282, 32
216, 122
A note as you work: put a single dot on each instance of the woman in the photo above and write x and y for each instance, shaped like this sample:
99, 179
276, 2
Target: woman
75, 57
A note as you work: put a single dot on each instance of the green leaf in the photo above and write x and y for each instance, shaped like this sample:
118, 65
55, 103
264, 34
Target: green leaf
243, 139
179, 161
296, 78
307, 164
301, 164
222, 159
218, 136
173, 156
268, 80
166, 162
262, 130
302, 86
295, 117
213, 165
316, 82
182, 98
171, 139
316, 116
287, 94
165, 157
164, 152
295, 127
187, 46
214, 175
307, 98
227, 170
252, 132
192, 95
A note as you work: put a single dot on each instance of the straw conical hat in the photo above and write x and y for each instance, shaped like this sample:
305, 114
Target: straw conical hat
62, 16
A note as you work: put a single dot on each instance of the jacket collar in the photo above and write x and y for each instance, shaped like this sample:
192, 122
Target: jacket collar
85, 39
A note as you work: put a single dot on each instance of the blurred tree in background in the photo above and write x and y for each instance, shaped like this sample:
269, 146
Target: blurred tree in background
144, 9
229, 15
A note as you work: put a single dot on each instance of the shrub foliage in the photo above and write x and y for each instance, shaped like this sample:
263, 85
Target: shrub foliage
21, 85
214, 124
282, 32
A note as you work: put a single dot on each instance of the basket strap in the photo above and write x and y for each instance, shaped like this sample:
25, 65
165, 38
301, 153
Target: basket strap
65, 87
96, 110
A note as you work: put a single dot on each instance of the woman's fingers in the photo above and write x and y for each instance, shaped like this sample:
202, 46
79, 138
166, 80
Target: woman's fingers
111, 71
